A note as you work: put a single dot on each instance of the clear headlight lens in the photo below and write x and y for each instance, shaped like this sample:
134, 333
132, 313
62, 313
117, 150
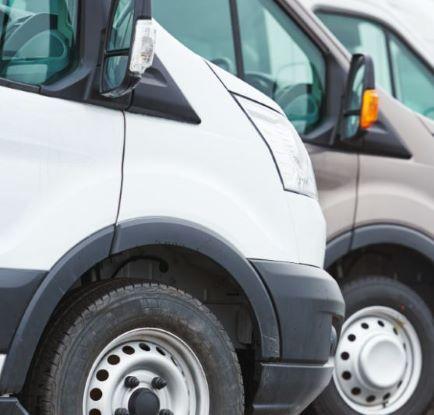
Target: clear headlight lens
285, 144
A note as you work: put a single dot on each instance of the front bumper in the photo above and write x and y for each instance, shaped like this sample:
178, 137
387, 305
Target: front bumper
289, 388
310, 307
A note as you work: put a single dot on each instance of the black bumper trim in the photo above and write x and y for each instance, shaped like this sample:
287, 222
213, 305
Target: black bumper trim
308, 302
11, 406
286, 389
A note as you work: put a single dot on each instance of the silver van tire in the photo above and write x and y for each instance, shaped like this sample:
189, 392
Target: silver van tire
385, 359
123, 344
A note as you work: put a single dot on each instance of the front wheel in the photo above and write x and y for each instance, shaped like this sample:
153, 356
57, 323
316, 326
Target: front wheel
385, 360
135, 349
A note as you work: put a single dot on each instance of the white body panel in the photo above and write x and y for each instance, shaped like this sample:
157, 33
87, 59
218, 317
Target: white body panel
59, 176
219, 174
61, 171
239, 87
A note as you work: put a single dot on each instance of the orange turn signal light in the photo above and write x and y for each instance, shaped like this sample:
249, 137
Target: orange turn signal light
370, 108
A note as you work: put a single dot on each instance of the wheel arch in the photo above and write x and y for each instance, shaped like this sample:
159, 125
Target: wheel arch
113, 240
378, 234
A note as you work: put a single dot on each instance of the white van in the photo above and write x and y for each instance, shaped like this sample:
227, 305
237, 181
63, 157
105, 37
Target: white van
161, 244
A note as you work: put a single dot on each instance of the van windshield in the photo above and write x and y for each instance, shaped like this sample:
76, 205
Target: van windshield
37, 39
258, 41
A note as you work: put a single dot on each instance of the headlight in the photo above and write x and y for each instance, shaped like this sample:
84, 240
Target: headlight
288, 150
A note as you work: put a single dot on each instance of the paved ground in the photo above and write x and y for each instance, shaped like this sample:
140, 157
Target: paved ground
311, 412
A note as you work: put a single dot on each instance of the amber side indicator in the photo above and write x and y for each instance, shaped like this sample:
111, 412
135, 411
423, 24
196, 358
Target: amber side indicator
370, 108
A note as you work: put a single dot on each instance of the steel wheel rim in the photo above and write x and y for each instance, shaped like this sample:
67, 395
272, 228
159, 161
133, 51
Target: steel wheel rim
378, 361
146, 354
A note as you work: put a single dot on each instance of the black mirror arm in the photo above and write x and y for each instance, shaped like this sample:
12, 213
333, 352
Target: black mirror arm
143, 9
357, 62
140, 12
117, 52
349, 113
369, 73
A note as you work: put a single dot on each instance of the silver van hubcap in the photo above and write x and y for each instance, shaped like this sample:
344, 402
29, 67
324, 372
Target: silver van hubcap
147, 372
378, 362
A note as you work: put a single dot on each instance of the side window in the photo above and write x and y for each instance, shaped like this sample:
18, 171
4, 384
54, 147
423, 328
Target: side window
361, 36
414, 82
204, 26
37, 39
281, 61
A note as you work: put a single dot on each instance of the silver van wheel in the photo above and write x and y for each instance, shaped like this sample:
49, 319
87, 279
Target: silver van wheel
378, 362
147, 371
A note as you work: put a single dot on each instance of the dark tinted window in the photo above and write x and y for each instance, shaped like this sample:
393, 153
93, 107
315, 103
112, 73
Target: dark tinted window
280, 60
414, 83
37, 39
202, 25
361, 36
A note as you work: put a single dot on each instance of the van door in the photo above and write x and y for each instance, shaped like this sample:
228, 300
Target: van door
263, 44
60, 161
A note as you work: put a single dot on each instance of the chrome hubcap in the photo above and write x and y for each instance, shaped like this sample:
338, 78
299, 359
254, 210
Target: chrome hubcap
378, 362
146, 372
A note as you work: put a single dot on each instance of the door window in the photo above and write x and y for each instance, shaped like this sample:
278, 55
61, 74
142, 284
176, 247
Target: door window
202, 25
398, 70
37, 39
361, 36
414, 83
281, 61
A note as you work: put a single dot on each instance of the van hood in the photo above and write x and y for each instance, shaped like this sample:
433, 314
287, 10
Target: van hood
428, 123
241, 88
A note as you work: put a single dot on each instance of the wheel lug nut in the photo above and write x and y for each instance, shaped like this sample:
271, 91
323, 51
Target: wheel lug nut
131, 382
159, 383
166, 412
122, 411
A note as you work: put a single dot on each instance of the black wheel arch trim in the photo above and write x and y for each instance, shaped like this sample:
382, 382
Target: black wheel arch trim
337, 248
111, 240
64, 274
375, 234
17, 287
172, 231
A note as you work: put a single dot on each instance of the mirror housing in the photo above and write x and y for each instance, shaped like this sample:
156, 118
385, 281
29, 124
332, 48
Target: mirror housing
129, 47
360, 103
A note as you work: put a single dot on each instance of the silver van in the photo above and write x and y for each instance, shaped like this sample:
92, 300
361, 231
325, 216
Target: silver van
375, 178
404, 64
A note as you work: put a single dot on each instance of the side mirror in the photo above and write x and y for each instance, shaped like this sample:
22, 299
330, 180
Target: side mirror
360, 103
129, 47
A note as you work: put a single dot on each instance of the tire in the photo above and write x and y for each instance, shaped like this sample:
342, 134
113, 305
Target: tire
371, 296
155, 331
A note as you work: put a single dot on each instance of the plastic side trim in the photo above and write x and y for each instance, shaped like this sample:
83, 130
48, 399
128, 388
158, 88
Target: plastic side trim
17, 287
379, 234
48, 295
337, 248
393, 234
176, 232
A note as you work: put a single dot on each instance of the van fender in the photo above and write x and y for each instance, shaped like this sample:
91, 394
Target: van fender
379, 234
113, 240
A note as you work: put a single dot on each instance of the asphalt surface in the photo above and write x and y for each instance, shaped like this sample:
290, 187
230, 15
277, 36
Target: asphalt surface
312, 412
